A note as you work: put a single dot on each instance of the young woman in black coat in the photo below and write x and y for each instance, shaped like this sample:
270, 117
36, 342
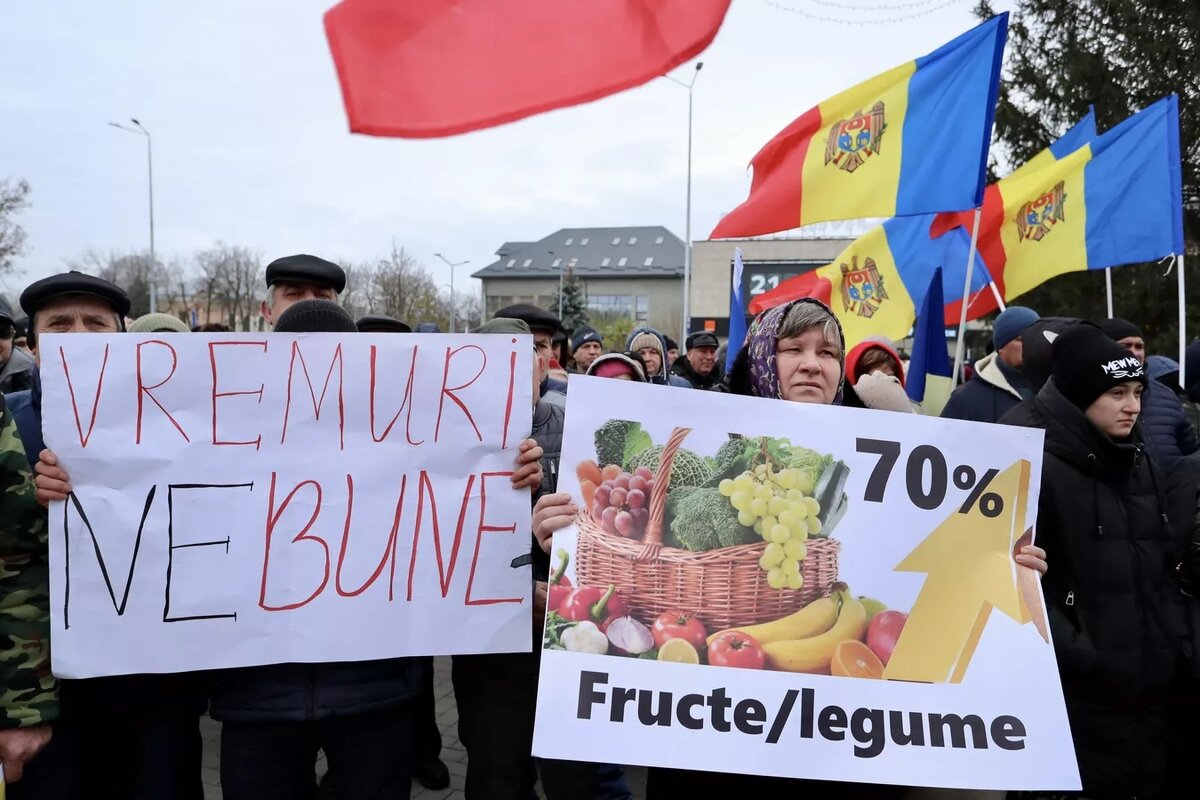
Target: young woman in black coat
1115, 609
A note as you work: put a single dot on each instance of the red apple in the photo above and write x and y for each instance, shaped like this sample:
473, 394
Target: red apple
884, 632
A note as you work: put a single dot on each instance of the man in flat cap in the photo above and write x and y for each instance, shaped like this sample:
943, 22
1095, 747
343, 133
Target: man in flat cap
131, 736
543, 325
381, 323
698, 365
300, 277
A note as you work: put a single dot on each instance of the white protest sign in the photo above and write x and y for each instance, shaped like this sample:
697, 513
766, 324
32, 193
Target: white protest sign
246, 499
881, 631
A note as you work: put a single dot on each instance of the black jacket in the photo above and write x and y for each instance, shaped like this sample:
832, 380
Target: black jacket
1169, 433
990, 394
683, 368
1115, 610
548, 423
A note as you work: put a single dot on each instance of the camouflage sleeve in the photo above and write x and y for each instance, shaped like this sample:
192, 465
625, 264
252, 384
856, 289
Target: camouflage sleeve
28, 692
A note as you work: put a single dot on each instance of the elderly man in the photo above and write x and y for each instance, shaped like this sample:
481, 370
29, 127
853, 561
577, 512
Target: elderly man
698, 365
543, 325
130, 736
587, 344
999, 383
300, 277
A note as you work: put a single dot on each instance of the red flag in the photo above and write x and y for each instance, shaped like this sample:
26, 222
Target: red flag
426, 68
807, 284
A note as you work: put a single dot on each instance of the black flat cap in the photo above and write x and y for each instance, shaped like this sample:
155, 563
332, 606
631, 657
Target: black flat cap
536, 318
381, 323
315, 316
38, 293
304, 268
702, 339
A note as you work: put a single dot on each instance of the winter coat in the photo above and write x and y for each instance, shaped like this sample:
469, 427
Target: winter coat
991, 393
682, 368
156, 695
1115, 610
664, 376
16, 374
1169, 434
309, 692
548, 421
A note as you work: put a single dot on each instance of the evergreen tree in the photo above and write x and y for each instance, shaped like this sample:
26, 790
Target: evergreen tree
1120, 56
574, 304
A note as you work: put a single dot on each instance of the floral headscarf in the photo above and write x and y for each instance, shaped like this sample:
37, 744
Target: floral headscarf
761, 340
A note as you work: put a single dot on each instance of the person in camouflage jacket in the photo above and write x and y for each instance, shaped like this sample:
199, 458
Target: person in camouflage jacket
28, 692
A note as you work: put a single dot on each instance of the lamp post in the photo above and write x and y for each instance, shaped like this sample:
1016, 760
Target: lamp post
687, 245
141, 131
452, 308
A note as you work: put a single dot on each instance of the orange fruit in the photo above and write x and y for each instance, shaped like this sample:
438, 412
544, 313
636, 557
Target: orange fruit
589, 471
853, 659
588, 489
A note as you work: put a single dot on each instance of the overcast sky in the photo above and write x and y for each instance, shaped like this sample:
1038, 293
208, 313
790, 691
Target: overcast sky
251, 143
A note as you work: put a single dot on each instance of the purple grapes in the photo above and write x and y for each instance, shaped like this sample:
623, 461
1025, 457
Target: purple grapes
617, 497
636, 498
608, 520
624, 524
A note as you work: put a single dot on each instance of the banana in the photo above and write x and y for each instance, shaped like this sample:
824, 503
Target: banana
815, 618
815, 653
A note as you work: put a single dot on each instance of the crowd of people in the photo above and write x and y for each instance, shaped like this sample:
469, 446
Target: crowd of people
1116, 532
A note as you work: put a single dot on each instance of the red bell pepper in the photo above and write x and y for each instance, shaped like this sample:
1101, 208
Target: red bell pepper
560, 584
601, 606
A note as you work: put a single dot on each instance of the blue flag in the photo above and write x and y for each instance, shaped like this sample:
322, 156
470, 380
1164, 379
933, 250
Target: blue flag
929, 376
737, 311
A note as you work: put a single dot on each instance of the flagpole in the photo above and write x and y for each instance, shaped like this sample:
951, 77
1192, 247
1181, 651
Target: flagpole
996, 294
1108, 289
960, 347
1182, 335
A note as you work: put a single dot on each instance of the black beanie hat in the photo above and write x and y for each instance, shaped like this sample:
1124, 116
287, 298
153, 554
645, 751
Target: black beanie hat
315, 316
1087, 363
1117, 329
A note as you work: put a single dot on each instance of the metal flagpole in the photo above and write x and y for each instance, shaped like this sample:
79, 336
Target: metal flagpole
1182, 335
960, 347
996, 294
1108, 289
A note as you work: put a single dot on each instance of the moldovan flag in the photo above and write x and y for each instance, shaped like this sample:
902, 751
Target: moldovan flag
862, 286
424, 68
930, 379
1117, 200
990, 245
912, 140
737, 314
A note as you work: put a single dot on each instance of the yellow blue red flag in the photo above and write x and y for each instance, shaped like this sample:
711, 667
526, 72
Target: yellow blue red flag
912, 140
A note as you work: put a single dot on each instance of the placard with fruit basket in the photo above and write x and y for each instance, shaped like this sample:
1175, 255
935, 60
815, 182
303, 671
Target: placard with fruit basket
728, 532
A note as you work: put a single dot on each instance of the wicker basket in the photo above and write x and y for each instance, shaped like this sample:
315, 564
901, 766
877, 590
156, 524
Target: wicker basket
724, 587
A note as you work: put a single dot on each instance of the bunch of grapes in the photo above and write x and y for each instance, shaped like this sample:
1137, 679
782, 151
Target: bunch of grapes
622, 502
780, 507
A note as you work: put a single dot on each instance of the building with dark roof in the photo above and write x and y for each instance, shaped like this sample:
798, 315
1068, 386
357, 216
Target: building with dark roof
634, 272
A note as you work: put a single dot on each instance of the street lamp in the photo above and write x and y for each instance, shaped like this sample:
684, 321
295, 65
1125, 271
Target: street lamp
452, 266
141, 131
687, 251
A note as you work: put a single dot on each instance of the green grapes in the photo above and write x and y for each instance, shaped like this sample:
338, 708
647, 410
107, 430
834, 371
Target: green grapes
778, 505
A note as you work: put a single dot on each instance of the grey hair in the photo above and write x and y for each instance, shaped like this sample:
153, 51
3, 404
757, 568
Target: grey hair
802, 316
269, 297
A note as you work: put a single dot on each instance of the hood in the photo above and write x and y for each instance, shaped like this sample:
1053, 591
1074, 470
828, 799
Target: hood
637, 367
661, 375
859, 350
987, 369
754, 371
19, 361
1160, 367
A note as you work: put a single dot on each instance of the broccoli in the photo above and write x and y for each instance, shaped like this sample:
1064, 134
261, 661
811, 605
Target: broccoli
688, 469
704, 520
618, 441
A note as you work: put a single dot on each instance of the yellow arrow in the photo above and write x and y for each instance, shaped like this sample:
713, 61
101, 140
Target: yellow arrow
968, 559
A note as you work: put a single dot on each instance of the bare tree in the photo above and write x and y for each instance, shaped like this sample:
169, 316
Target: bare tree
13, 199
130, 271
229, 284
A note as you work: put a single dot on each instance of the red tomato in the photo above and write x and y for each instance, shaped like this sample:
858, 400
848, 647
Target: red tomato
679, 625
736, 649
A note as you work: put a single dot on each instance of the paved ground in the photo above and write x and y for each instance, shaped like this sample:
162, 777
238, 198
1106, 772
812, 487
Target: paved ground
452, 751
